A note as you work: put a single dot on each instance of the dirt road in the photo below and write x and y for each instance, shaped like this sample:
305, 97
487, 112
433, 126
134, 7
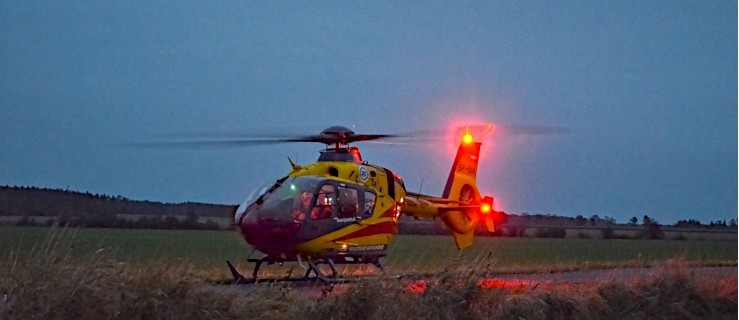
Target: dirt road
318, 289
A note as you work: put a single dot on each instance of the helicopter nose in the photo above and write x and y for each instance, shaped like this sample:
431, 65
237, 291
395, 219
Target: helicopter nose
264, 231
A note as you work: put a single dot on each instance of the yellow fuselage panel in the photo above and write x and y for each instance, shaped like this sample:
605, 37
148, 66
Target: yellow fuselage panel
349, 172
378, 229
330, 242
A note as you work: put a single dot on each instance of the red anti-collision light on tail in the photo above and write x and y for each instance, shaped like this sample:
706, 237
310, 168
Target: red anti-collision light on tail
486, 207
467, 138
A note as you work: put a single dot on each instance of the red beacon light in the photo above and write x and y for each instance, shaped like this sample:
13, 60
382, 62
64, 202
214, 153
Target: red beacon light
467, 138
486, 207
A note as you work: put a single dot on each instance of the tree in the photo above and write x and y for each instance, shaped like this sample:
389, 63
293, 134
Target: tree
633, 221
646, 220
652, 229
594, 220
580, 220
690, 223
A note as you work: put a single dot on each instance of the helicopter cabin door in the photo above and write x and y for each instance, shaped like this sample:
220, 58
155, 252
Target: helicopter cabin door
336, 206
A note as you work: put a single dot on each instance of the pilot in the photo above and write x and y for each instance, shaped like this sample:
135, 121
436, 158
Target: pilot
323, 208
302, 206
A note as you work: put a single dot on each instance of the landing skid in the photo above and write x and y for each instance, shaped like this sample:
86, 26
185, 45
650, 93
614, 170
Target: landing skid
312, 273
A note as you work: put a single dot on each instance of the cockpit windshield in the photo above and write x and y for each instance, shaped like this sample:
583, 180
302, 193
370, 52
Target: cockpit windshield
293, 197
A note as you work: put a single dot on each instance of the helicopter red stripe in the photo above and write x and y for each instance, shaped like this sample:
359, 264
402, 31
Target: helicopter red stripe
389, 213
382, 227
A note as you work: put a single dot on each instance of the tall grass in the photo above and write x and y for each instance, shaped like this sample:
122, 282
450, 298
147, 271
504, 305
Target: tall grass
670, 292
50, 283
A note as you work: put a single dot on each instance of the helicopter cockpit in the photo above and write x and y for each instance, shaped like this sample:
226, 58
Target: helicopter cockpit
319, 202
312, 198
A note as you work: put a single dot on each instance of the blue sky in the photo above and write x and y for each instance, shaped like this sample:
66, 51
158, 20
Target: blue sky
648, 89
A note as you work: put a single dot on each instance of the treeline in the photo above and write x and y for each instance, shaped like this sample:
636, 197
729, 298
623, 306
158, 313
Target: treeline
31, 206
651, 231
32, 201
190, 222
549, 226
717, 224
526, 219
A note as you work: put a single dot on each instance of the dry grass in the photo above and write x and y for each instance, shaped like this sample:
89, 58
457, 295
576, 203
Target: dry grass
50, 283
671, 292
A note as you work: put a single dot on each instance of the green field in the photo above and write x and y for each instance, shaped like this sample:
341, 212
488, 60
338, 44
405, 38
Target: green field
208, 250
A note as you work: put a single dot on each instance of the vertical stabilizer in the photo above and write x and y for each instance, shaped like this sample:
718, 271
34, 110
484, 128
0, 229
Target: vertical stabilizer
462, 186
462, 181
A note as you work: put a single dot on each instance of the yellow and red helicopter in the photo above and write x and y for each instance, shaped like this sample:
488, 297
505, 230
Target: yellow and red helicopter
344, 210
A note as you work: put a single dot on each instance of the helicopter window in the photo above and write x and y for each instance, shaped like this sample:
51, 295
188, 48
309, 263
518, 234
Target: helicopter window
348, 202
333, 171
325, 201
369, 203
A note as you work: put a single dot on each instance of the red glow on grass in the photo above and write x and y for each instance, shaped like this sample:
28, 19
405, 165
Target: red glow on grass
498, 283
420, 286
417, 287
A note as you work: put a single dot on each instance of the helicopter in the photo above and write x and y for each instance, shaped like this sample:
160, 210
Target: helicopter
344, 210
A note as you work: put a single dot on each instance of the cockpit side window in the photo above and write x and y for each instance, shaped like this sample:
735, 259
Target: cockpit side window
369, 203
325, 203
348, 202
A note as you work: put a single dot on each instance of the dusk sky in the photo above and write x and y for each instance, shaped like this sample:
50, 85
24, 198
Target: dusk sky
648, 90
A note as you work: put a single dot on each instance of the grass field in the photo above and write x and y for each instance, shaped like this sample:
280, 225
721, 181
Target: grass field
152, 274
208, 250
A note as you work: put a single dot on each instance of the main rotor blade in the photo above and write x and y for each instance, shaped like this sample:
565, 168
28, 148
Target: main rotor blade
231, 143
491, 130
528, 130
239, 134
207, 143
368, 137
234, 139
